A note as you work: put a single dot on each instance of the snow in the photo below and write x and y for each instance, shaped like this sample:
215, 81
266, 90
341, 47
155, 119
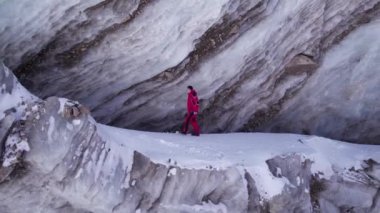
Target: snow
76, 122
266, 183
9, 161
79, 173
62, 102
15, 98
35, 108
23, 145
172, 172
246, 151
51, 128
205, 207
278, 171
6, 73
69, 126
14, 146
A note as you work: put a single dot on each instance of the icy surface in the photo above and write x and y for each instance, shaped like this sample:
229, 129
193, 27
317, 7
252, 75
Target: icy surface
243, 150
15, 146
342, 98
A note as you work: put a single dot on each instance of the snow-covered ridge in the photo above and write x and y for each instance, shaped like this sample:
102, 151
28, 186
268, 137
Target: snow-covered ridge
74, 164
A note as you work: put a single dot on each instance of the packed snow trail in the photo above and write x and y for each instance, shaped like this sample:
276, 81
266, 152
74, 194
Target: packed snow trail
247, 151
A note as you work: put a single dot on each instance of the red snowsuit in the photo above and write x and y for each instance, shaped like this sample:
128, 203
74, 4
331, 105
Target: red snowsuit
192, 112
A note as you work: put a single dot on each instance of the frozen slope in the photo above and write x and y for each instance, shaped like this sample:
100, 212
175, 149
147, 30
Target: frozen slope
130, 61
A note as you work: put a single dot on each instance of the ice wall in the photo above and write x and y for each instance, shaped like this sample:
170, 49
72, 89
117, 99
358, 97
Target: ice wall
130, 61
342, 98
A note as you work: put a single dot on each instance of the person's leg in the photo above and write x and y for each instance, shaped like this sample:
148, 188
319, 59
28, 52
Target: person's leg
195, 125
185, 125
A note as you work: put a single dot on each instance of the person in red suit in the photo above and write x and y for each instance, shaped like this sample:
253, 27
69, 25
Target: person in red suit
192, 112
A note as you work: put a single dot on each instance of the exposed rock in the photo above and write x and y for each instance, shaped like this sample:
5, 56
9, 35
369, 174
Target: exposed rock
75, 110
301, 64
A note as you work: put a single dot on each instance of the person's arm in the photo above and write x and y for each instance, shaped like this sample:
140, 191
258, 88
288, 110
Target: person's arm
195, 104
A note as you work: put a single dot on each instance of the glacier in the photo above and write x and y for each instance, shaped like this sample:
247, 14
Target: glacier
56, 158
93, 92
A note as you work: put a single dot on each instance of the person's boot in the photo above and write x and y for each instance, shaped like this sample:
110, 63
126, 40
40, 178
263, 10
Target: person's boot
195, 134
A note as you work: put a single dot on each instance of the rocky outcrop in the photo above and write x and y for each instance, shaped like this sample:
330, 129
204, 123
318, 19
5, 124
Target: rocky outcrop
253, 62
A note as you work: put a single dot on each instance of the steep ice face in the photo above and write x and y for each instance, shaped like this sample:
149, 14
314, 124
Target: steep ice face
29, 25
130, 61
342, 97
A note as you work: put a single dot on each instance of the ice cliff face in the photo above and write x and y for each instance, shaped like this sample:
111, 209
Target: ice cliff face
342, 97
254, 63
56, 158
